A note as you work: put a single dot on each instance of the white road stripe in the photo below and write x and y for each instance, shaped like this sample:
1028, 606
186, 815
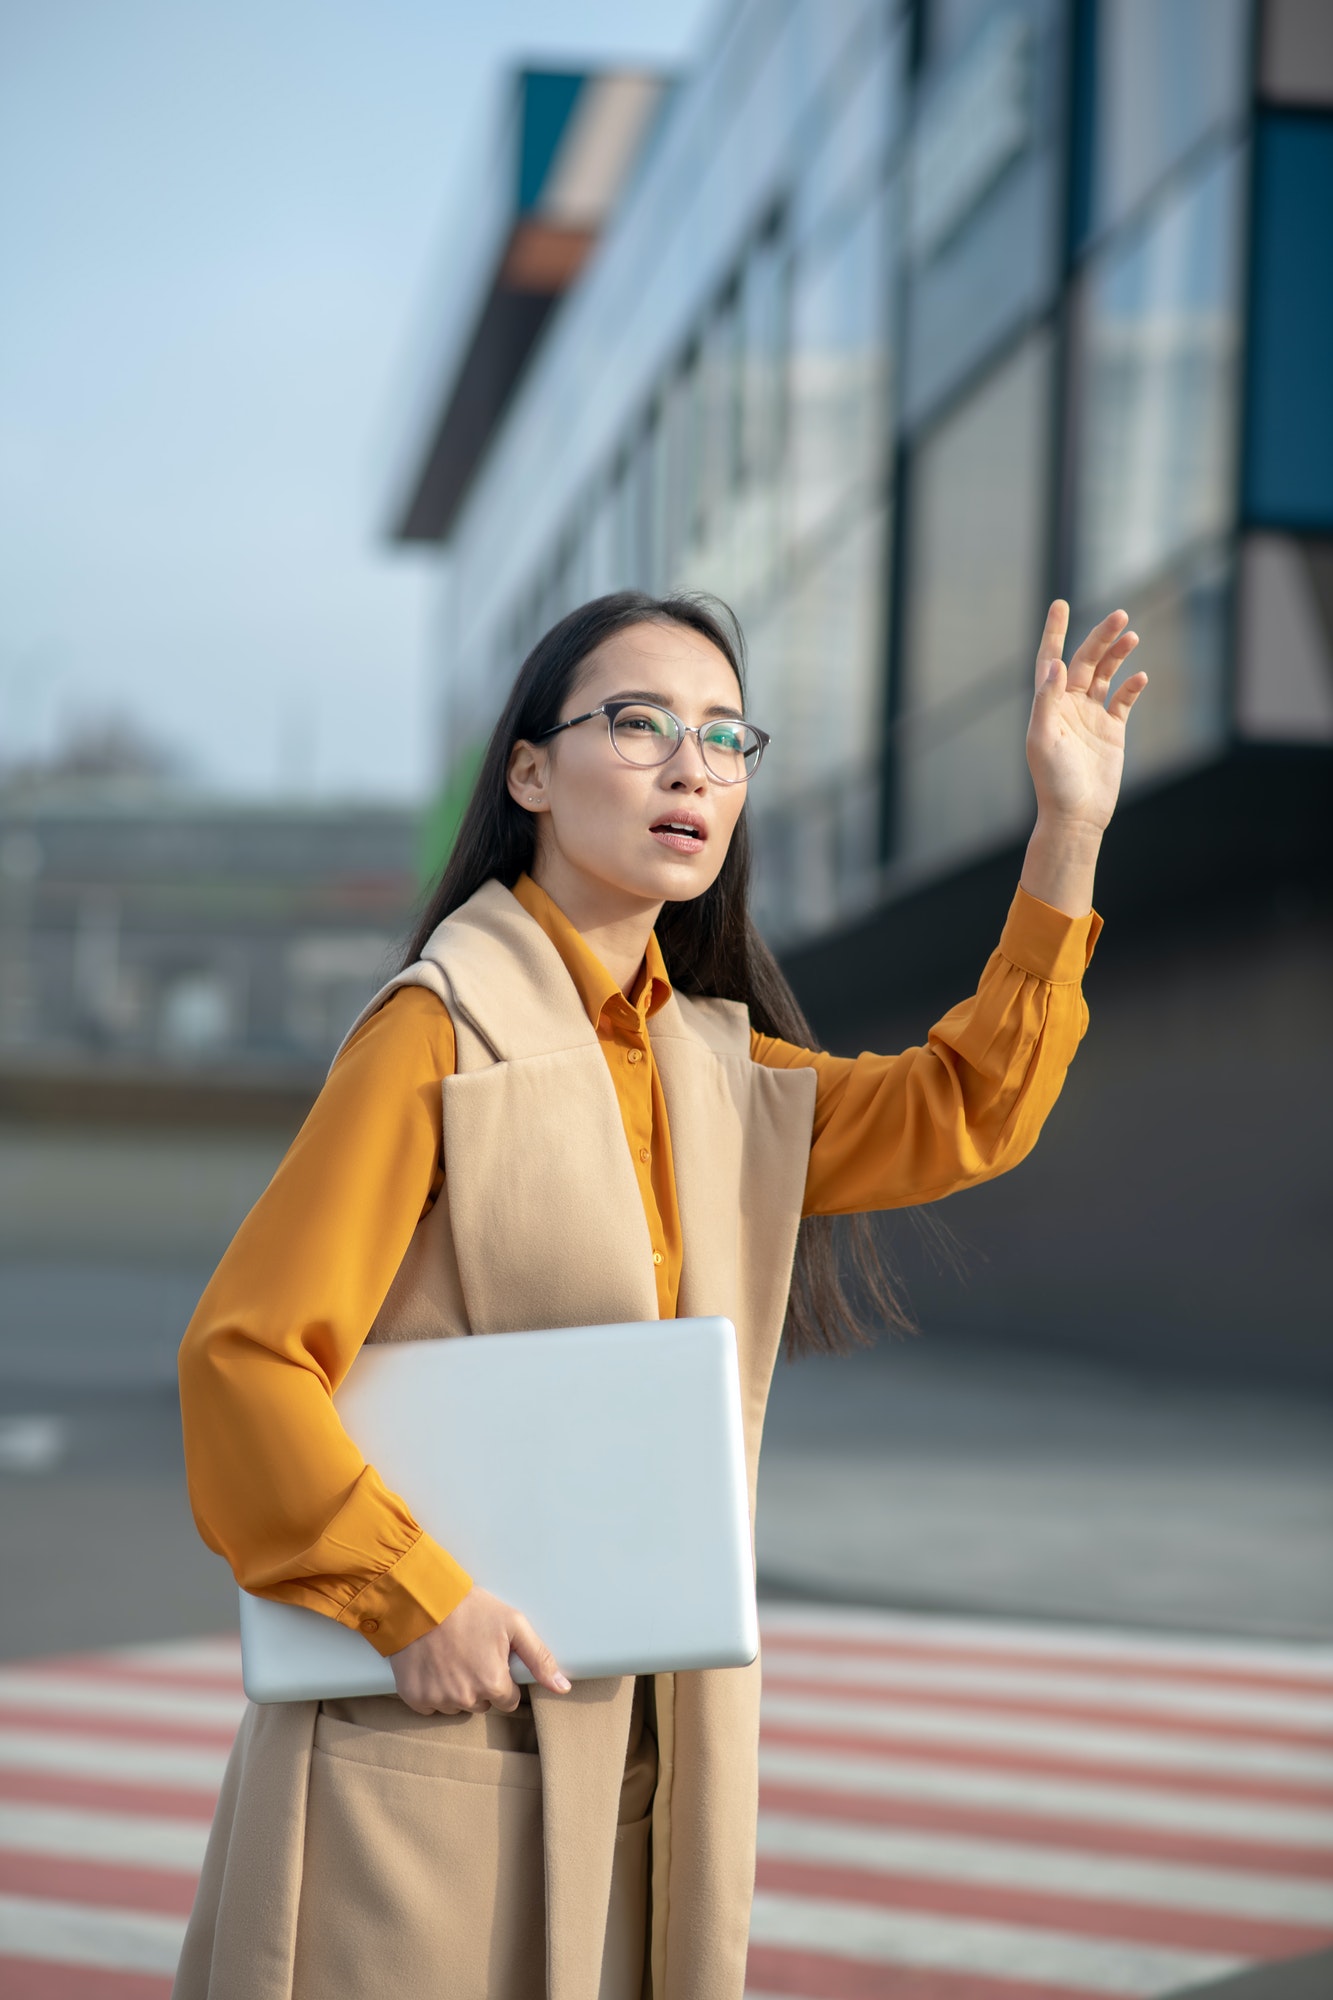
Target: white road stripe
755, 1993
1063, 1871
957, 1944
131, 1839
96, 1757
83, 1695
919, 1722
1200, 1702
74, 1934
1064, 1798
1073, 1642
183, 1656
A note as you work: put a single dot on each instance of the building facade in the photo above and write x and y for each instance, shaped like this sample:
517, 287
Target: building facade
902, 319
156, 932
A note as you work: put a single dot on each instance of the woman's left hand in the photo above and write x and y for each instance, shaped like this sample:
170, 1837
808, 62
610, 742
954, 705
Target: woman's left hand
1076, 735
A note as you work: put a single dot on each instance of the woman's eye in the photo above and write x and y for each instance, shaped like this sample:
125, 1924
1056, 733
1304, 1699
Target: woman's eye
727, 739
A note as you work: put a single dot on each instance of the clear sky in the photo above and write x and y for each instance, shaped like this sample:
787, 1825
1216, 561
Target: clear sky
220, 225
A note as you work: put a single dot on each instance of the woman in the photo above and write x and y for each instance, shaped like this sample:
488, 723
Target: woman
589, 1096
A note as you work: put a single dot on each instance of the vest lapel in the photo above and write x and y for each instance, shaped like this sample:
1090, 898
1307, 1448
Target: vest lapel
545, 1209
740, 1143
582, 1740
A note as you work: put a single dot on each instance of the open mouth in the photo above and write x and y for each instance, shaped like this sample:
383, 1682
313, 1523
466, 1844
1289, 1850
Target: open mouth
683, 832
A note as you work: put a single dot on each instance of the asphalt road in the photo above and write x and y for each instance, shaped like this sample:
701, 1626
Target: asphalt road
925, 1474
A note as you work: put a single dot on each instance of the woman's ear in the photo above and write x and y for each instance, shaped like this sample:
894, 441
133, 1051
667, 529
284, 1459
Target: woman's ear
527, 776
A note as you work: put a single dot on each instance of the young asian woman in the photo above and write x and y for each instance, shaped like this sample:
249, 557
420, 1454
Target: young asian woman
588, 1096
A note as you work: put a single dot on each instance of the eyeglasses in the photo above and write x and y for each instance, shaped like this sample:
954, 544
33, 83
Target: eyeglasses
644, 734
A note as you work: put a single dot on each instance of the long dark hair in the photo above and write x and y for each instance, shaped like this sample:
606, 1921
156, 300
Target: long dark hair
710, 944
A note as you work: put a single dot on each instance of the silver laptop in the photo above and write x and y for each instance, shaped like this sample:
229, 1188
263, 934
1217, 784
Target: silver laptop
593, 1477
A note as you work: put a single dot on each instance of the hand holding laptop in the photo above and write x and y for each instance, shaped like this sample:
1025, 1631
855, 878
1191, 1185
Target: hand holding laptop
636, 1558
463, 1665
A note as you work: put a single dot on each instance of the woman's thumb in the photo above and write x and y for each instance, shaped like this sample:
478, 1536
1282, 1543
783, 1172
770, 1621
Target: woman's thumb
537, 1658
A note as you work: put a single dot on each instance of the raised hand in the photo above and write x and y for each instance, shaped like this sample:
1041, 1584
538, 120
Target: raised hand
1076, 753
1076, 735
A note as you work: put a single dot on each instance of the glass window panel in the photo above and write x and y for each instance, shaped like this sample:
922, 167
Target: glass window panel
655, 499
1289, 413
719, 418
817, 682
601, 546
764, 301
838, 370
976, 563
1168, 72
831, 696
624, 495
962, 776
679, 425
977, 531
1157, 387
951, 24
860, 123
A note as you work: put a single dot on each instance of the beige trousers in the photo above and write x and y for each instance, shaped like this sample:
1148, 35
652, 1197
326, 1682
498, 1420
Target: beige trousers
400, 1892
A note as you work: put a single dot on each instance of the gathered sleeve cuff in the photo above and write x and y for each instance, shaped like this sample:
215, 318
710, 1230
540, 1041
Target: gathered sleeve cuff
892, 1131
1043, 941
410, 1599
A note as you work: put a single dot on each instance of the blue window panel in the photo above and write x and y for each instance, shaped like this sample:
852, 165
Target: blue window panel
1288, 480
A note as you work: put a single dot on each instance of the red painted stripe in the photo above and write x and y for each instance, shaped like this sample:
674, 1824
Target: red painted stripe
34, 1979
1186, 1673
1149, 1721
61, 1788
1034, 1763
136, 1728
107, 1885
1313, 1864
1080, 1916
773, 1969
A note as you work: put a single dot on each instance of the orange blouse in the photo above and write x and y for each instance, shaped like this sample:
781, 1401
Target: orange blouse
277, 1486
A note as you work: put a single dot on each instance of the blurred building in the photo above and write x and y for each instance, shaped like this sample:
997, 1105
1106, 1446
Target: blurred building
148, 932
887, 324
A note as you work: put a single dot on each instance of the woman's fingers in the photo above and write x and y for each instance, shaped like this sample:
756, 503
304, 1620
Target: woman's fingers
1110, 664
1053, 635
1102, 638
539, 1660
1126, 695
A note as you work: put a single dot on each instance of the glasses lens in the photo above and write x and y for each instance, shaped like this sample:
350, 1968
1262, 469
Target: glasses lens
731, 750
644, 734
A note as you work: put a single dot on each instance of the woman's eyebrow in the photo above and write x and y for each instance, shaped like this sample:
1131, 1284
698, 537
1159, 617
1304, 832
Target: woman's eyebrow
646, 694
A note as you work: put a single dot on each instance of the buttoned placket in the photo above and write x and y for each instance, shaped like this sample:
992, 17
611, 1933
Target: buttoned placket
626, 1021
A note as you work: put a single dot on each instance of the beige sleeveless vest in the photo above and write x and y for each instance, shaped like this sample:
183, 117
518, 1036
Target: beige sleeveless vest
540, 1223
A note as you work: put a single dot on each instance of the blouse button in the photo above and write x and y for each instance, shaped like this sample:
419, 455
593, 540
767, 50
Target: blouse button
644, 1154
370, 1624
657, 1256
635, 1055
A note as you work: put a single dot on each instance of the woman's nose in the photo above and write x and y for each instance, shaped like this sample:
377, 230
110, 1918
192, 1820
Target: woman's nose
688, 769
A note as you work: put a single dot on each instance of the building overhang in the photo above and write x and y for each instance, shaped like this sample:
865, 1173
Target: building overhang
567, 149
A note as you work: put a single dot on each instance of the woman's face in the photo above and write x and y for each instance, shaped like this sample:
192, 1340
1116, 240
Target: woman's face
650, 834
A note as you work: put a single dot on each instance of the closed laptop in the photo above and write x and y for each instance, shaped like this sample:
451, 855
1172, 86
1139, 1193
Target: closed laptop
593, 1477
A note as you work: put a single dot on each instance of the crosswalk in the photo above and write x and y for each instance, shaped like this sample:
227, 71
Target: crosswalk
950, 1809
